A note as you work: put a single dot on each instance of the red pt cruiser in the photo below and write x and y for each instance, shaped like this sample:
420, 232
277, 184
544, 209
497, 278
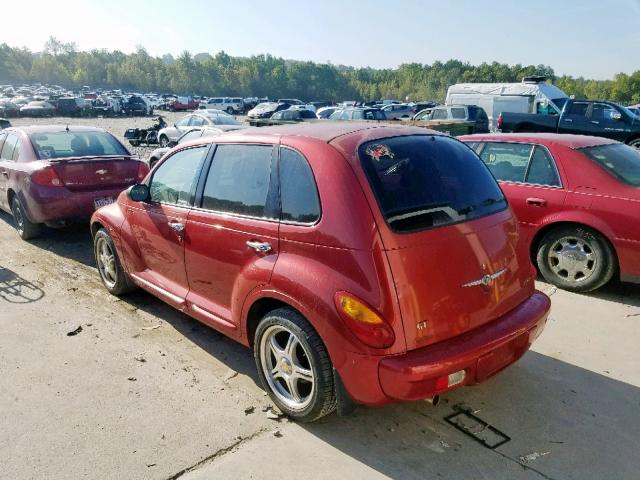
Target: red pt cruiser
366, 264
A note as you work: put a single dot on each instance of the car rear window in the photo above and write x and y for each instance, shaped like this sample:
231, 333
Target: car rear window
427, 181
75, 144
619, 160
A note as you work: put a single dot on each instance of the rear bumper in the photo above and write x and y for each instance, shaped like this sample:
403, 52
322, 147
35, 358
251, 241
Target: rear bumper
481, 353
54, 204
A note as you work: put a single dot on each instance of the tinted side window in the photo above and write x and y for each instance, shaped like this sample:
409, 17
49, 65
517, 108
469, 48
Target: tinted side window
8, 147
578, 109
507, 161
239, 179
298, 192
603, 112
174, 181
439, 114
542, 170
458, 113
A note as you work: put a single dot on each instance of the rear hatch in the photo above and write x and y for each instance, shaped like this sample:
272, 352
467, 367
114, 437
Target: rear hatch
96, 174
449, 236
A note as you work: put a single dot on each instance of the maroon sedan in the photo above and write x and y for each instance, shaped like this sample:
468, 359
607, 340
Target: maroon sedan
577, 201
55, 174
323, 247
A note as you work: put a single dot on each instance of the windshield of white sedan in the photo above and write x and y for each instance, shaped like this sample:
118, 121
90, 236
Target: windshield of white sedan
621, 161
75, 144
429, 181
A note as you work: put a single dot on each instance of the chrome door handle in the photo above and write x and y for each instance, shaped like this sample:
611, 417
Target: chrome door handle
263, 247
568, 120
177, 227
595, 122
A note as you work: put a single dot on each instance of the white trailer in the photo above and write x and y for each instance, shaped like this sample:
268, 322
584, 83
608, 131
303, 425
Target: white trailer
532, 95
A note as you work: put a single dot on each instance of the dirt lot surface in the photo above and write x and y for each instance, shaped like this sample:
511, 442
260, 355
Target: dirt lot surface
145, 392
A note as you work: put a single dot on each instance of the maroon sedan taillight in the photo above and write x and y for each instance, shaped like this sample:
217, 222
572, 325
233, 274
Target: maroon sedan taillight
143, 170
48, 177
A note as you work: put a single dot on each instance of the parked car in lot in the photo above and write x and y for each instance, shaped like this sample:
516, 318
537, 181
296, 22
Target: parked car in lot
473, 115
266, 109
182, 104
192, 134
201, 118
577, 202
584, 117
4, 123
358, 113
325, 112
136, 105
249, 233
398, 111
9, 109
226, 104
37, 109
70, 106
291, 115
54, 174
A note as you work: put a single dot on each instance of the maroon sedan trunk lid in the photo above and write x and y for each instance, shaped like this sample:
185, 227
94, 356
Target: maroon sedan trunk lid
96, 173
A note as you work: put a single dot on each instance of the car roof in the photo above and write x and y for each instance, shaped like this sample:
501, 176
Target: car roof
566, 140
57, 128
325, 132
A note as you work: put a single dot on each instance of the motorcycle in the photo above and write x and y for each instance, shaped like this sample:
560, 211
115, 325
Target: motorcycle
148, 136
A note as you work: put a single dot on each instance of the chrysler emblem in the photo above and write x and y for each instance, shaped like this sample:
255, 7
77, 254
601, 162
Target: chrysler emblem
101, 172
486, 280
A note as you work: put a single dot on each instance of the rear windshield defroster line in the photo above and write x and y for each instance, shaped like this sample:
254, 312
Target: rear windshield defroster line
428, 181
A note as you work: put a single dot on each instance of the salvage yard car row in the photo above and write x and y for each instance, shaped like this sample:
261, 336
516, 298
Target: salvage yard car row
234, 227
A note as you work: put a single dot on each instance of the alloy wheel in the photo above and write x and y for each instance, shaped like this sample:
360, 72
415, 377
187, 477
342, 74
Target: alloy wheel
106, 261
572, 259
286, 365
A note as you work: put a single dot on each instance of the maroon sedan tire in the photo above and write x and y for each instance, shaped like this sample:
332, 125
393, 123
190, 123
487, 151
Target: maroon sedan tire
25, 227
294, 366
576, 258
115, 279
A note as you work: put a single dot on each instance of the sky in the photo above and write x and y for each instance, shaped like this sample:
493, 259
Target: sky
590, 38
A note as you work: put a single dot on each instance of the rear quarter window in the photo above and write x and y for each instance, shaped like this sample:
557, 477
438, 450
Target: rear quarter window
427, 181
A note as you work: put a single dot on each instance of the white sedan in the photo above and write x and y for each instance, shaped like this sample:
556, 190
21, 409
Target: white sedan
201, 118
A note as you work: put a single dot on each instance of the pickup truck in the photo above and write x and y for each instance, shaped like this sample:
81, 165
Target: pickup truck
583, 117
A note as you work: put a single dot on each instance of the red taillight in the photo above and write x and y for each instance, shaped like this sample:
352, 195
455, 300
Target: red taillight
47, 176
500, 121
143, 169
364, 322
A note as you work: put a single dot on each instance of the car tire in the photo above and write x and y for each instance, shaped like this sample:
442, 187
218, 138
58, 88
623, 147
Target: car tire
635, 143
25, 227
115, 279
152, 162
294, 366
576, 258
230, 110
164, 141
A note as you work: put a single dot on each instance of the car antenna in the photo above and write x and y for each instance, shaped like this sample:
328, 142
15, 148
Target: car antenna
67, 129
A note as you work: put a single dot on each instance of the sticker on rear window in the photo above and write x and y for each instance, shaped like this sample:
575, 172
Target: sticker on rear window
377, 152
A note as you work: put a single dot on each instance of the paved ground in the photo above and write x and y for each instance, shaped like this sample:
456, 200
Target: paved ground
144, 392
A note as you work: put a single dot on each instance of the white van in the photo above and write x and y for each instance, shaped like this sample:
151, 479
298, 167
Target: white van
532, 95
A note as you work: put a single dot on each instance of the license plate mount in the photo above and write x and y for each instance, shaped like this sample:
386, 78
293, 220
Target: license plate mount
103, 201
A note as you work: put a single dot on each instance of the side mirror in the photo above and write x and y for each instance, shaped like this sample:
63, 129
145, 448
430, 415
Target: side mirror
616, 116
138, 193
172, 144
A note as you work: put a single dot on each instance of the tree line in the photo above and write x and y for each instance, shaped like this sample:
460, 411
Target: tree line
268, 76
